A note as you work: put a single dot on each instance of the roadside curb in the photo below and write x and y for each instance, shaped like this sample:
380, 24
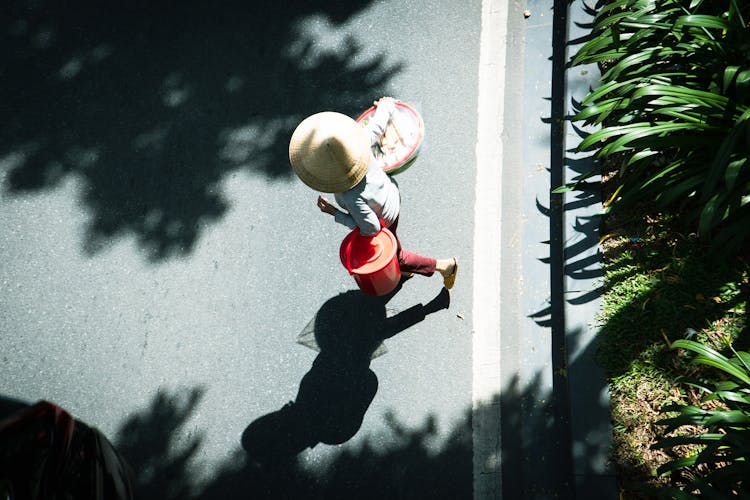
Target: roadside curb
541, 419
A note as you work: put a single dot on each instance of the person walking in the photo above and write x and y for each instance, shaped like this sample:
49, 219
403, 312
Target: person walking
332, 153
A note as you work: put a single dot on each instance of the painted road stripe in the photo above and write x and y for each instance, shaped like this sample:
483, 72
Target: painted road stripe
487, 244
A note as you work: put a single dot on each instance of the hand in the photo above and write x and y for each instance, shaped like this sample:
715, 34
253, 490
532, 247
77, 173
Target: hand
382, 100
325, 206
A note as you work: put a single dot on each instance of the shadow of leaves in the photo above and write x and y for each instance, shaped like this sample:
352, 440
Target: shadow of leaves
151, 443
151, 106
403, 462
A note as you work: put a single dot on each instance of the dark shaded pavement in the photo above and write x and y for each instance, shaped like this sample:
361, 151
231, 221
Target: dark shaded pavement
150, 105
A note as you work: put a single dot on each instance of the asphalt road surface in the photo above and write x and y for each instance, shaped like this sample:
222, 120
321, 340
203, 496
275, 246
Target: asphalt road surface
166, 278
161, 268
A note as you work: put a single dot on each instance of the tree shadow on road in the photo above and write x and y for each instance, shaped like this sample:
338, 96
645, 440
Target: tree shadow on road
399, 462
150, 106
415, 464
153, 443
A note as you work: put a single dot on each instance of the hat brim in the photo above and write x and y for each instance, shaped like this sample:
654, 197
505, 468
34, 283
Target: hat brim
330, 152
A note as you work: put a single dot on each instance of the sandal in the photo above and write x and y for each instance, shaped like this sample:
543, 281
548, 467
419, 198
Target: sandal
449, 280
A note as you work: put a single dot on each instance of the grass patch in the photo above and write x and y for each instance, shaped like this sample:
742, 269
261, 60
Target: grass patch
674, 115
663, 284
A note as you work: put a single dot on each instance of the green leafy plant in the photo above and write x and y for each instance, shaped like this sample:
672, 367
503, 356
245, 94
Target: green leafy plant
674, 109
718, 462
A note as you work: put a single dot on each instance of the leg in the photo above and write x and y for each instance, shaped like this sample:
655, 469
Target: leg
411, 262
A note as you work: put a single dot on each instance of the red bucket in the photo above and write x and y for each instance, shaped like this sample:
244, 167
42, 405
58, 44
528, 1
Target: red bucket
372, 260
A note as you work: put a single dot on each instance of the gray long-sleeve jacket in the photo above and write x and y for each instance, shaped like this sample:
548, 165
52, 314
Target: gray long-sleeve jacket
375, 201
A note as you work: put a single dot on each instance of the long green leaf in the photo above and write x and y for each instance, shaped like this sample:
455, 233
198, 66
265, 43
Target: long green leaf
625, 87
647, 131
636, 61
701, 21
699, 439
710, 214
636, 41
646, 154
680, 113
730, 73
708, 356
728, 418
731, 396
607, 133
602, 110
725, 151
727, 385
679, 190
733, 172
736, 11
643, 24
744, 358
631, 19
677, 464
687, 415
664, 172
620, 5
693, 95
593, 49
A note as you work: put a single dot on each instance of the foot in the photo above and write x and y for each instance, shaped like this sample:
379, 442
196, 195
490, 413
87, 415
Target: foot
449, 269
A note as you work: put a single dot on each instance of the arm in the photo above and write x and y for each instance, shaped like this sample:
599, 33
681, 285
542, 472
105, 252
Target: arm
360, 215
385, 107
364, 217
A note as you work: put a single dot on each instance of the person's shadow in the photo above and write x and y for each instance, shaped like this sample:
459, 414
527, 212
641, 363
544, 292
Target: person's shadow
334, 395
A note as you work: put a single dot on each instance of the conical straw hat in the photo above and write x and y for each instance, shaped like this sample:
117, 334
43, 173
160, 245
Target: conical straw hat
330, 152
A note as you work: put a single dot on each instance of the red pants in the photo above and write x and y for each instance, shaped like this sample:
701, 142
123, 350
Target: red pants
411, 262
